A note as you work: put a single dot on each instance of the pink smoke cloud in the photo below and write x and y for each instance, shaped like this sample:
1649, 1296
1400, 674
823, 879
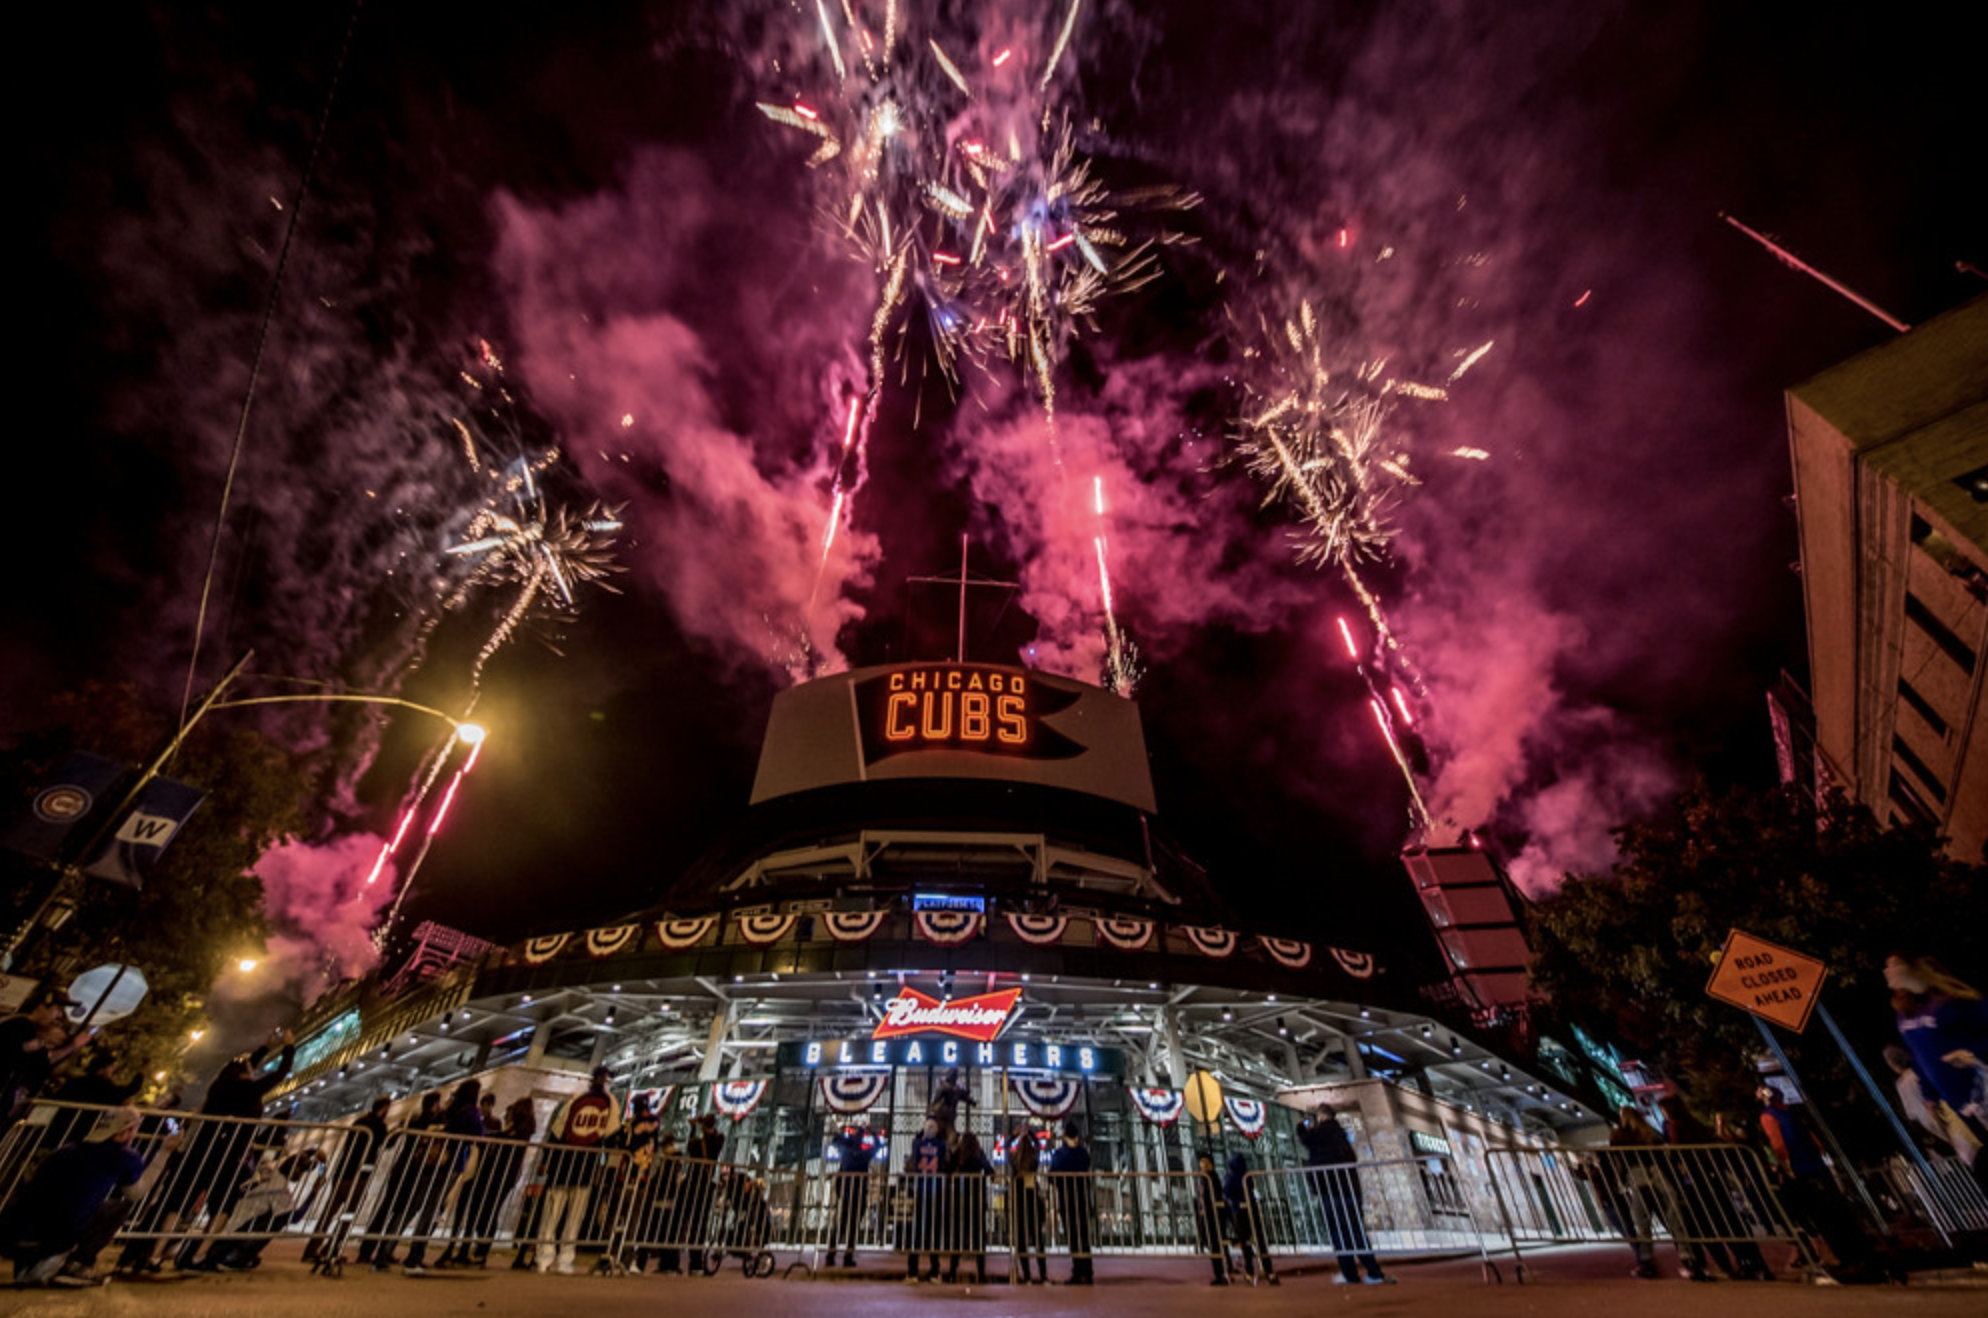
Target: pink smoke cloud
726, 519
1569, 822
1181, 555
321, 909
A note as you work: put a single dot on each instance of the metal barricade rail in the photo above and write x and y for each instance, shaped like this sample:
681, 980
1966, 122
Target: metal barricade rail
216, 1190
219, 1189
1715, 1203
1948, 1200
691, 1215
963, 1218
1365, 1211
468, 1193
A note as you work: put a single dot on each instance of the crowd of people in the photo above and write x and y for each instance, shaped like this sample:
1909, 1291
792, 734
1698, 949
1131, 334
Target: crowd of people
448, 1172
441, 1178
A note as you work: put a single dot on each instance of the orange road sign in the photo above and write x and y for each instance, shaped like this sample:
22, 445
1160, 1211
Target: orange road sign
1768, 980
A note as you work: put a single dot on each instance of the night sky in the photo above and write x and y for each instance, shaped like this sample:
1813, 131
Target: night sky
1593, 610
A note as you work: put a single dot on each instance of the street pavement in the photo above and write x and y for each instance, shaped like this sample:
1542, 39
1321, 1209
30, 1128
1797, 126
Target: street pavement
1570, 1282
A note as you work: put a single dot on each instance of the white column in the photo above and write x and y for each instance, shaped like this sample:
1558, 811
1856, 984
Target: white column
714, 1043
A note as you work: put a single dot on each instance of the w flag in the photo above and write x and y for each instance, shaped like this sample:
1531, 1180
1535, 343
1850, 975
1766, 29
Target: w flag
141, 837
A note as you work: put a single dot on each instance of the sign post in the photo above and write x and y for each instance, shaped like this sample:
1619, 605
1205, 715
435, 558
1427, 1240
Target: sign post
1776, 984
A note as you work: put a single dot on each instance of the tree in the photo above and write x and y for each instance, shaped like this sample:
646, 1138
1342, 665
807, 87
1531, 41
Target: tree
201, 905
1628, 952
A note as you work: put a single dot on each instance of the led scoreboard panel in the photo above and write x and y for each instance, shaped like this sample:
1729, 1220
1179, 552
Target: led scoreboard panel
943, 720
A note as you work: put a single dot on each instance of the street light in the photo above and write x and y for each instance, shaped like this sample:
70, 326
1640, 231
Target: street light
470, 734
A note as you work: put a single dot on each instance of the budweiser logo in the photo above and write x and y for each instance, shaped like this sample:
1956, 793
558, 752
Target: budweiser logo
979, 1018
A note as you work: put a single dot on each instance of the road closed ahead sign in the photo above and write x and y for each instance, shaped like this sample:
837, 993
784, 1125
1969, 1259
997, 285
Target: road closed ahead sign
1767, 980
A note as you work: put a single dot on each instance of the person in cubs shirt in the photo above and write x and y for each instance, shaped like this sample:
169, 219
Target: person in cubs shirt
572, 1161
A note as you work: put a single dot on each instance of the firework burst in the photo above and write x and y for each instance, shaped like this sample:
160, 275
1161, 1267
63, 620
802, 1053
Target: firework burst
960, 183
1315, 435
514, 540
950, 171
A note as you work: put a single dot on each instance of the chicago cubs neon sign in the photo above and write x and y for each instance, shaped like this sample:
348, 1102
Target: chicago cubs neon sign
978, 708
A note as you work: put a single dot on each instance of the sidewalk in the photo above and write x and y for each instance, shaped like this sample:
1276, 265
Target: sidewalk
1571, 1282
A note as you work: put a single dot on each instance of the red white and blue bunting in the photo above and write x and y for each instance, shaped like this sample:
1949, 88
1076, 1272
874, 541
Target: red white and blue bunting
1360, 965
737, 1098
759, 930
1124, 933
541, 950
852, 926
1248, 1114
659, 1100
1161, 1107
606, 942
677, 935
947, 928
1050, 1100
850, 1092
1042, 930
1287, 951
1211, 942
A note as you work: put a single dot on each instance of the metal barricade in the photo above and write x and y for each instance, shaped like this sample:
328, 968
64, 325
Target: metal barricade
216, 1190
691, 1215
468, 1193
427, 1188
1361, 1212
961, 1219
1948, 1200
1715, 1203
922, 1216
1169, 1213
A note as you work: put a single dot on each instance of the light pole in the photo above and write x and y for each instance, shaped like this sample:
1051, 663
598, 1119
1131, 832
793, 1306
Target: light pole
71, 870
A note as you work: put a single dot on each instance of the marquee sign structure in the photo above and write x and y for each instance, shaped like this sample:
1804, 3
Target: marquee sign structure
1071, 1059
948, 720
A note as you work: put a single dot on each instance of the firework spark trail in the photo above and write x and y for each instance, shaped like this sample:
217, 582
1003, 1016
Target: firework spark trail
385, 929
544, 555
425, 783
1315, 435
1418, 808
1121, 660
1062, 44
841, 495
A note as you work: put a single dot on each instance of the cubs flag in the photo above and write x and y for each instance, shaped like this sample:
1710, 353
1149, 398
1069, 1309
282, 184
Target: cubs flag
141, 837
63, 800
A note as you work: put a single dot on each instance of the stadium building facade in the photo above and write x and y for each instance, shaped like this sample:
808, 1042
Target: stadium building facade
946, 866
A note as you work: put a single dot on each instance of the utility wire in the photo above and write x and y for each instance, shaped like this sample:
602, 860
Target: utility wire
255, 364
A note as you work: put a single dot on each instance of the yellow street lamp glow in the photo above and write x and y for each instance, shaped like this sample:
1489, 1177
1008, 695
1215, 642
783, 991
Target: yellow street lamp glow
471, 734
246, 964
196, 1035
